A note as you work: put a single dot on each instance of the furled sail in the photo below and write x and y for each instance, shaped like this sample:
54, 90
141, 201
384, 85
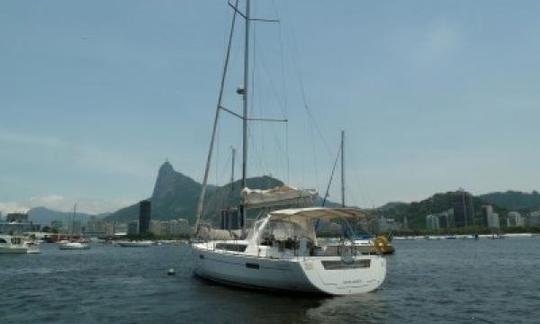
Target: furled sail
278, 196
206, 232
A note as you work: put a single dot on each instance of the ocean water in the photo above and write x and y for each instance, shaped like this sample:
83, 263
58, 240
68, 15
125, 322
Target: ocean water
448, 281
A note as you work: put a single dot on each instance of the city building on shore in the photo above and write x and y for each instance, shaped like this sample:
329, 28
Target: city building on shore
145, 215
17, 223
17, 218
463, 209
443, 219
175, 227
494, 221
432, 222
115, 229
534, 218
514, 218
95, 226
133, 228
384, 224
489, 218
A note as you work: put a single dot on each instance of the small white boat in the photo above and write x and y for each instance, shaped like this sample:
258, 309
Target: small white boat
73, 246
17, 245
135, 243
79, 244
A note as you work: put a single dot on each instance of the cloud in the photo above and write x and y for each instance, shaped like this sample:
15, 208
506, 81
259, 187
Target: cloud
97, 158
87, 156
28, 139
439, 41
49, 199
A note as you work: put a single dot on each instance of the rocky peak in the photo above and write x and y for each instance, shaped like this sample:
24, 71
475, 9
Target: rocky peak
165, 169
170, 182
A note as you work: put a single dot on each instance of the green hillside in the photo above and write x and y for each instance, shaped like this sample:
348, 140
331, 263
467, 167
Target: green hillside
514, 200
416, 212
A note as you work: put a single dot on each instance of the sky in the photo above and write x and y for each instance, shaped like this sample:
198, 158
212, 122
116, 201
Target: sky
432, 95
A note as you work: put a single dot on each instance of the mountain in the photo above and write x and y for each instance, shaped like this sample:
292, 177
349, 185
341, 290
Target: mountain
44, 216
391, 205
514, 200
176, 195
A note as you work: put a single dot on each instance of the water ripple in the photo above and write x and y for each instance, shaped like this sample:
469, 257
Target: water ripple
428, 281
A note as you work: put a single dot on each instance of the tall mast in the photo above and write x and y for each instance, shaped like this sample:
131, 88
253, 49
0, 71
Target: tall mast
245, 114
245, 96
342, 168
73, 220
200, 204
244, 117
233, 153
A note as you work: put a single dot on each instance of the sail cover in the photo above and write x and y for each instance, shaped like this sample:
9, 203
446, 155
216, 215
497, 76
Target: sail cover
283, 195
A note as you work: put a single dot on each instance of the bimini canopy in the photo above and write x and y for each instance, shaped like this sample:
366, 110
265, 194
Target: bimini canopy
298, 215
278, 196
304, 218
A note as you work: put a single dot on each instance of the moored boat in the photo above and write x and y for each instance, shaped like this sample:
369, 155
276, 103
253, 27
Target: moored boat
73, 243
17, 245
378, 244
135, 243
282, 252
73, 246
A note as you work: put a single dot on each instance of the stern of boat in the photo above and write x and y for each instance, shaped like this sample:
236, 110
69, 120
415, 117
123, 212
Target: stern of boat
338, 276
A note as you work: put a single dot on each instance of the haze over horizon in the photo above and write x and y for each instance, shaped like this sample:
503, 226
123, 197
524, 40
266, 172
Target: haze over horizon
433, 96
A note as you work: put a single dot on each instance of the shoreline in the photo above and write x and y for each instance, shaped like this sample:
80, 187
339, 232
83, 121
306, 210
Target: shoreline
465, 236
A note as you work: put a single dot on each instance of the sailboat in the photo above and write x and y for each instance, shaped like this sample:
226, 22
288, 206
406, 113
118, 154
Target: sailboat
72, 244
281, 251
366, 243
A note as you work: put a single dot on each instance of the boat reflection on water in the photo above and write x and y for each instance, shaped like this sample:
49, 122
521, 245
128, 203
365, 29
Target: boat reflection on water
362, 308
263, 306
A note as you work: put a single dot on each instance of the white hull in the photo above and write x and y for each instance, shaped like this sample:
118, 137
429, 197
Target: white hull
301, 274
16, 245
33, 250
136, 244
14, 250
74, 246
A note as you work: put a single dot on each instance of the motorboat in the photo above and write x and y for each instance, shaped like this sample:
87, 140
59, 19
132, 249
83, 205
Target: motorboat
17, 245
378, 244
73, 245
135, 243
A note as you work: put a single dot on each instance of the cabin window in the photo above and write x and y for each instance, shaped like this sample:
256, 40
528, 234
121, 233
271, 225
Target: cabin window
280, 230
252, 266
2, 240
231, 247
340, 265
